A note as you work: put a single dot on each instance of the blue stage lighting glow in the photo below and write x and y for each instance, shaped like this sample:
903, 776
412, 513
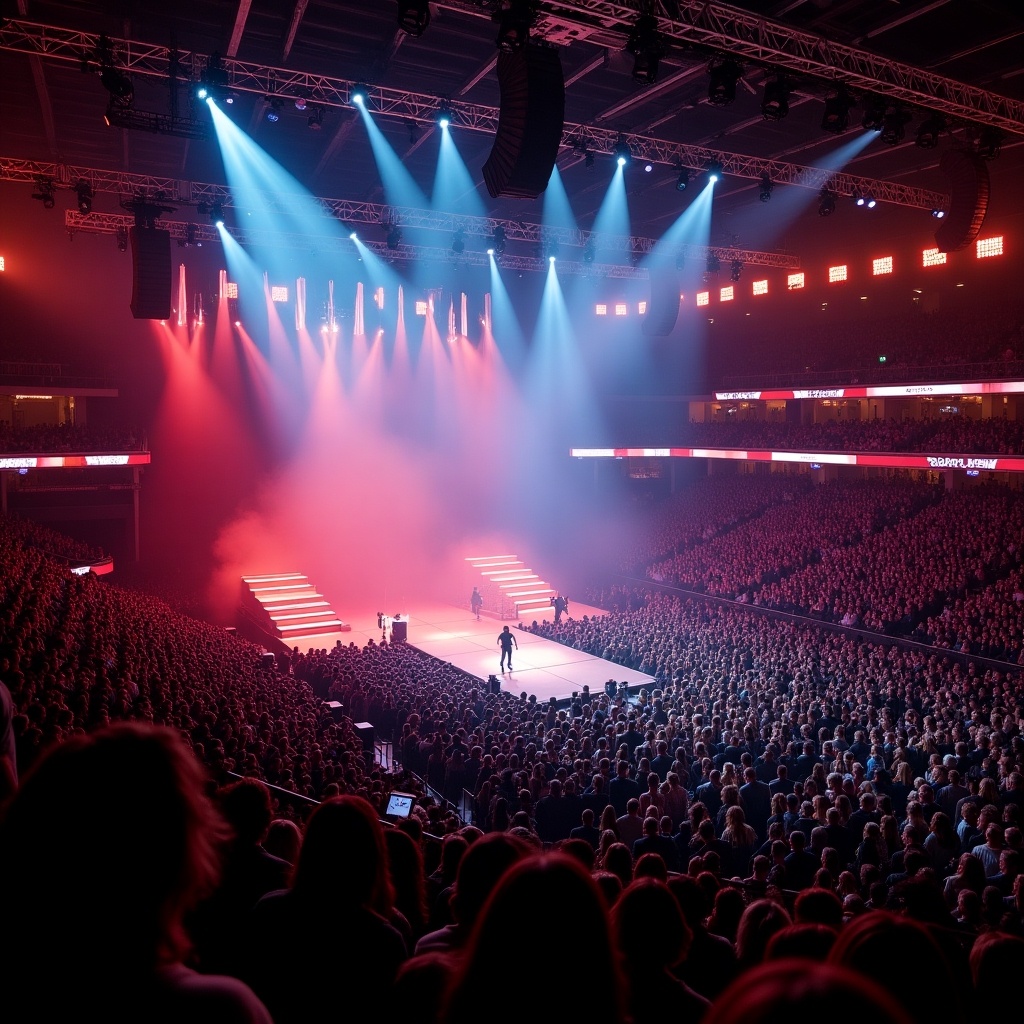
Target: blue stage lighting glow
353, 235
551, 259
490, 252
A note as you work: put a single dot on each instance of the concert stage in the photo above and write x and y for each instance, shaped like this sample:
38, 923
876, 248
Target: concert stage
542, 667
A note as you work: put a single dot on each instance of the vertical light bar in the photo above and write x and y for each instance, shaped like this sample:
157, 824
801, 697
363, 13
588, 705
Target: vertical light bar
300, 303
465, 317
182, 297
359, 327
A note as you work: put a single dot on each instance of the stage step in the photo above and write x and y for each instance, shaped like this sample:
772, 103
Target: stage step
509, 587
287, 605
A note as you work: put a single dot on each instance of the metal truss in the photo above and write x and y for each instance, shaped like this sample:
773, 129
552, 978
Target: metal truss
746, 36
72, 46
349, 212
187, 233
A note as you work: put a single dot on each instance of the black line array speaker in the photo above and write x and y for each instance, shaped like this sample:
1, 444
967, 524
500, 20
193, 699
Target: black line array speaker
530, 119
968, 200
151, 273
399, 631
663, 305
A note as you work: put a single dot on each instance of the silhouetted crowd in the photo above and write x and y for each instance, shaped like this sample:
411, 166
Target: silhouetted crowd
65, 437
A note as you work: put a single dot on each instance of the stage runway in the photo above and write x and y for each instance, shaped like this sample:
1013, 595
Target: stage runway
542, 667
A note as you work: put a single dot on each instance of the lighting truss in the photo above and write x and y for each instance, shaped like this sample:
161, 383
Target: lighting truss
111, 223
745, 35
345, 211
68, 45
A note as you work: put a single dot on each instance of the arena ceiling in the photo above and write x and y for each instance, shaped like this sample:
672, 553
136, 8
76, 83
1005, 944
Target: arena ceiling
53, 112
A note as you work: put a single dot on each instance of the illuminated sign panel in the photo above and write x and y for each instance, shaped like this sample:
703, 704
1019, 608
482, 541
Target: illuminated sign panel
837, 274
760, 287
795, 281
725, 294
881, 266
932, 258
986, 247
703, 298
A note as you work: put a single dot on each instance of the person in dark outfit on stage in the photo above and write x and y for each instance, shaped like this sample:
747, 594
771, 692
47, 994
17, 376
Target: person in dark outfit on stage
476, 602
506, 639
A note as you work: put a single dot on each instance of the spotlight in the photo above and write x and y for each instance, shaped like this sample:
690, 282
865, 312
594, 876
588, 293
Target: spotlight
85, 196
213, 79
648, 168
767, 185
394, 236
871, 203
938, 214
724, 74
826, 203
683, 180
514, 18
300, 103
713, 264
273, 114
217, 214
589, 251
353, 236
929, 132
735, 271
413, 16
359, 95
47, 193
498, 240
715, 171
118, 84
622, 153
459, 242
648, 47
990, 141
490, 252
836, 118
551, 259
315, 121
893, 126
121, 234
775, 102
444, 114
874, 114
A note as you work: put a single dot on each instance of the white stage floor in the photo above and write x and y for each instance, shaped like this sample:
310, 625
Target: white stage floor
542, 667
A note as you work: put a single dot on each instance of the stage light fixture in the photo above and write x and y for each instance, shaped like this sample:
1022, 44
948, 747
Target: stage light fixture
213, 79
413, 17
46, 194
836, 116
459, 241
118, 84
930, 130
300, 103
353, 236
723, 76
359, 95
767, 185
121, 234
683, 181
588, 160
315, 121
990, 141
589, 251
647, 46
735, 270
85, 194
622, 153
826, 203
394, 236
514, 18
273, 113
715, 171
498, 240
938, 214
490, 252
894, 125
444, 115
874, 113
775, 102
217, 214
713, 264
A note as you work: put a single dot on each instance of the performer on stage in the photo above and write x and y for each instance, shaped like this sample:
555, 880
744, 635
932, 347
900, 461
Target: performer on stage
476, 602
507, 639
561, 605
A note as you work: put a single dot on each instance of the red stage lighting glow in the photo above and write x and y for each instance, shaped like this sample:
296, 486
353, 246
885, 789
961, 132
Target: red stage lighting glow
795, 281
986, 247
760, 287
932, 258
703, 298
726, 293
837, 274
881, 266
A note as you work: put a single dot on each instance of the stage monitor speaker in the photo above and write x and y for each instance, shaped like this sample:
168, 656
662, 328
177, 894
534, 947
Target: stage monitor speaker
493, 684
151, 273
968, 200
663, 305
364, 731
399, 631
530, 119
